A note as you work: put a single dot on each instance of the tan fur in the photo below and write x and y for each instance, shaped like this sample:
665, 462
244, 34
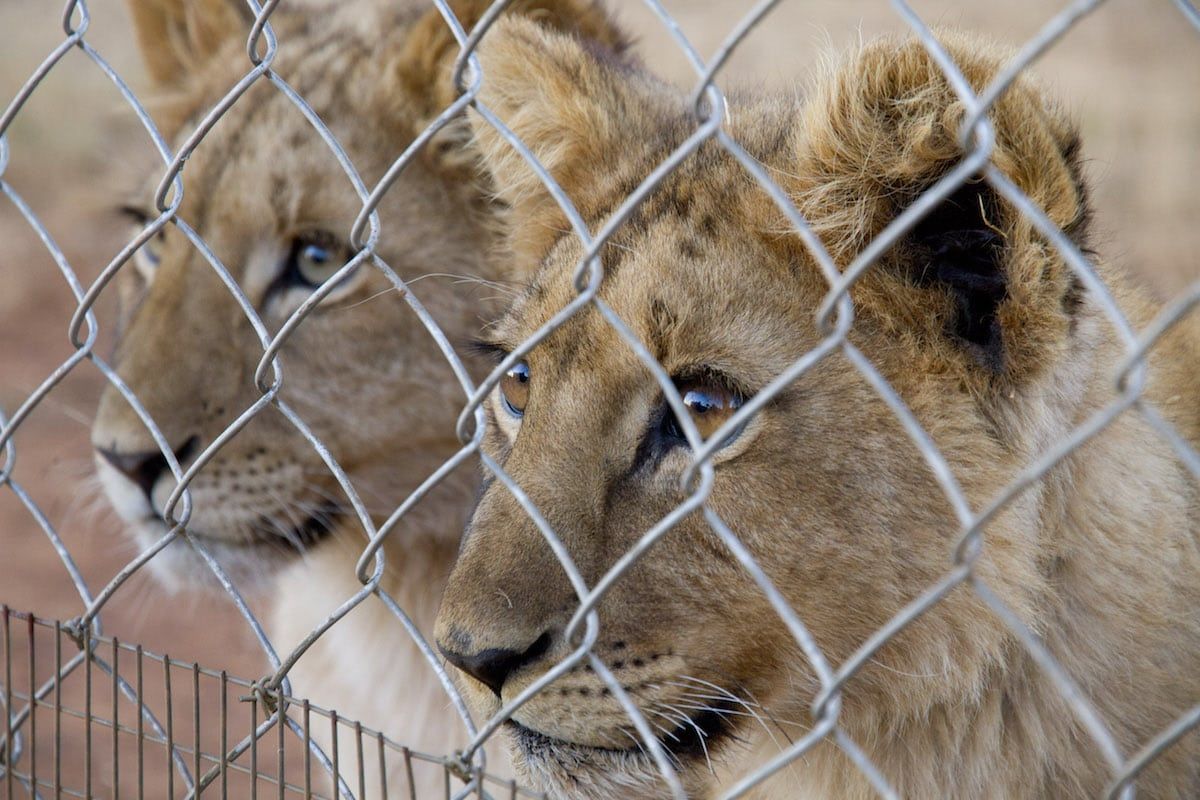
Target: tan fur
361, 371
824, 486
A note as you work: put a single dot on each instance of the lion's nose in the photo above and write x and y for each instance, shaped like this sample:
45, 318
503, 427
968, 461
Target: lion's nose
144, 469
493, 665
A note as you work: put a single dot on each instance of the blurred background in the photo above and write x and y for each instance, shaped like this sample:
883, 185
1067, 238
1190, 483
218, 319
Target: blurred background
1129, 73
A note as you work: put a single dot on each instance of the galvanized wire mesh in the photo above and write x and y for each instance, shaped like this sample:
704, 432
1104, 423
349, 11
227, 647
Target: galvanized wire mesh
270, 747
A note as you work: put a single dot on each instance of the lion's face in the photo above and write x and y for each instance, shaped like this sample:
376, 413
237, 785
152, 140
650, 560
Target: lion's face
824, 487
272, 203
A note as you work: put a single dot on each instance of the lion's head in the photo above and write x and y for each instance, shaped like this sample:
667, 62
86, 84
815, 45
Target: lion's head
972, 317
274, 208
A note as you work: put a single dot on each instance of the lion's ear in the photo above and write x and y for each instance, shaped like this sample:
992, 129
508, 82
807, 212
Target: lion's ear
574, 107
177, 37
426, 58
973, 275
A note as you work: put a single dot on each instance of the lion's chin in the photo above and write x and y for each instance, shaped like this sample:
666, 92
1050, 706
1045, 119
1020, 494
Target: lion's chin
200, 561
566, 770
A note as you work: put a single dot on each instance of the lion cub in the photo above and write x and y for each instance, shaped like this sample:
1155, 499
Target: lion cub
977, 323
264, 192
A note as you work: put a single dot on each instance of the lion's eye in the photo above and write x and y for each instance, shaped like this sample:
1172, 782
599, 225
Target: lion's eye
314, 259
148, 256
514, 389
710, 405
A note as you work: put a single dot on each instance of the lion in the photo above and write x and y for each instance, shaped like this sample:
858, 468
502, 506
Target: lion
272, 202
995, 345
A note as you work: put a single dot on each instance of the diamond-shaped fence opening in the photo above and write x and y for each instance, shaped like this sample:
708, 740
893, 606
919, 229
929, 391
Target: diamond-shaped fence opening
88, 714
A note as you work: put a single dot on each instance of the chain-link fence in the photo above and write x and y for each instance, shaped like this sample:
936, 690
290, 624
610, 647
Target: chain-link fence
380, 496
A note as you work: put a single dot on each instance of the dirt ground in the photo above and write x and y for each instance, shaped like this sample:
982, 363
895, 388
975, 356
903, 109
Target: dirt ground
1128, 73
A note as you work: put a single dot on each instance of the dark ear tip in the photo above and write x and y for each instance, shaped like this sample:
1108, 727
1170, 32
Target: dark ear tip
960, 245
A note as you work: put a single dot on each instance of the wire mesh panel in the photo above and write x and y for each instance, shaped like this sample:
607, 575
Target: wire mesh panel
88, 715
174, 729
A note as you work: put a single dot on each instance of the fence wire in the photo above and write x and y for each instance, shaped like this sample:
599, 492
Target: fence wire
192, 735
170, 725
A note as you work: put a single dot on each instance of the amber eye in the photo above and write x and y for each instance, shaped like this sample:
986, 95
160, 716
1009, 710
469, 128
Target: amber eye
514, 388
710, 404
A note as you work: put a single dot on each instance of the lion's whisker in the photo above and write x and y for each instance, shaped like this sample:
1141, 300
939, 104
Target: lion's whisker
702, 736
750, 706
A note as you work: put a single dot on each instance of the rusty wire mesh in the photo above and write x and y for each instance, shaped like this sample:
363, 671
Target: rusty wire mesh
192, 734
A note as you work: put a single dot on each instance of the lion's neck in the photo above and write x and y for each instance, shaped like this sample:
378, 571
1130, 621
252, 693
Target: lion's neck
367, 666
1113, 609
1008, 742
